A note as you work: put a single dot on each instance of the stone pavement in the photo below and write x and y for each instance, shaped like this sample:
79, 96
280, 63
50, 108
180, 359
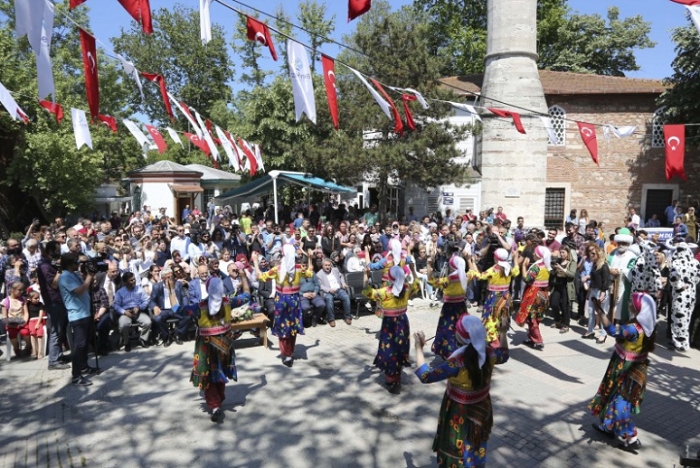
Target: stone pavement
330, 409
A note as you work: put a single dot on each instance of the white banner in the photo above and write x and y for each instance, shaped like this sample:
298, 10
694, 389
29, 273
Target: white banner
380, 100
226, 145
81, 129
547, 122
138, 134
131, 71
44, 68
302, 83
175, 137
9, 103
205, 20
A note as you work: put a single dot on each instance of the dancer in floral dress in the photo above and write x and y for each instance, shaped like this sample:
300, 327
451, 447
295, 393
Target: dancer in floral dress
535, 298
454, 287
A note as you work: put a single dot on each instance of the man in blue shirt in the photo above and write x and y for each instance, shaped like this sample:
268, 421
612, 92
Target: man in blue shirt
76, 297
131, 303
670, 213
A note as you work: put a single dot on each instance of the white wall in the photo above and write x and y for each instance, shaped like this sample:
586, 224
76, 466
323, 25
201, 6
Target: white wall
156, 195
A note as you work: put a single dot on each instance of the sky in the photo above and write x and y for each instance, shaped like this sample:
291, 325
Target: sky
108, 17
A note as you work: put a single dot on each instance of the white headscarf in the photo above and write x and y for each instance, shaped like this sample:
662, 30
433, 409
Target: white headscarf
395, 249
546, 256
502, 260
397, 277
470, 330
646, 312
288, 263
459, 266
215, 289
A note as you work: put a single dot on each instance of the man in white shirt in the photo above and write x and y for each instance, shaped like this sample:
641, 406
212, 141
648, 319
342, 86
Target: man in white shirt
636, 220
180, 243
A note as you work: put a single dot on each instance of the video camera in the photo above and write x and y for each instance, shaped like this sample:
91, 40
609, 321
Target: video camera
94, 265
453, 245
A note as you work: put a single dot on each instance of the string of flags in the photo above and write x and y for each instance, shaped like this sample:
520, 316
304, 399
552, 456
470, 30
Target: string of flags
34, 18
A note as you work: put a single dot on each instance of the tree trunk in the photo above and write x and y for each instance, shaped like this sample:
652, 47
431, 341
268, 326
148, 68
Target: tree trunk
383, 194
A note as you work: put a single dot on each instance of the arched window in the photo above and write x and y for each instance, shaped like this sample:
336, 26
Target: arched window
558, 116
657, 129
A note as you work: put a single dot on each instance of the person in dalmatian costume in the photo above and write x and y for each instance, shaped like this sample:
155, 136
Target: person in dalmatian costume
646, 274
684, 276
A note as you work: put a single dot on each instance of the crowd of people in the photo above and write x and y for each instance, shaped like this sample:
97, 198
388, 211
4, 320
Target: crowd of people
108, 283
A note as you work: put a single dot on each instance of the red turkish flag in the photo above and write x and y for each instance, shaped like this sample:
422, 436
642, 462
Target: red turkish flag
331, 91
251, 157
674, 136
92, 87
687, 2
111, 122
198, 142
409, 118
398, 127
140, 10
158, 138
23, 116
513, 115
258, 31
208, 124
587, 132
75, 3
54, 108
357, 8
163, 91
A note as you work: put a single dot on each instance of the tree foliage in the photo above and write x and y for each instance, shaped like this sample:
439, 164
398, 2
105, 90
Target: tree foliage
566, 41
682, 100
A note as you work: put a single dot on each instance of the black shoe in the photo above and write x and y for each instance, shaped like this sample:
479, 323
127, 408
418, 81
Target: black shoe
528, 343
538, 346
633, 447
314, 322
167, 342
82, 381
217, 415
91, 371
608, 434
288, 361
588, 336
59, 366
127, 347
395, 388
599, 341
178, 339
144, 344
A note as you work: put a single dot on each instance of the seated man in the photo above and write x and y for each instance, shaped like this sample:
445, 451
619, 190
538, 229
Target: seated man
167, 295
333, 287
232, 283
131, 303
312, 303
198, 286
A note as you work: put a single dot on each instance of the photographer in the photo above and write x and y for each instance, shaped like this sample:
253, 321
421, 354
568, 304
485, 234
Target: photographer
236, 241
76, 297
48, 274
255, 241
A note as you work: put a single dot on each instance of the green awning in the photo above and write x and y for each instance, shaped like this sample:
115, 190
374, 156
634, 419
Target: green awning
265, 185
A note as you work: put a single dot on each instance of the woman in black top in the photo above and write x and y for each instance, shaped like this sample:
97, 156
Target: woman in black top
329, 242
598, 293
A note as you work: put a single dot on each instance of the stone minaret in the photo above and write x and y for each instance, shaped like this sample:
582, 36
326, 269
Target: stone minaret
513, 166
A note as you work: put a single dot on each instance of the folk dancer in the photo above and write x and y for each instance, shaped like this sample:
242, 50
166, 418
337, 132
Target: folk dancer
621, 392
621, 262
498, 302
214, 356
288, 317
454, 287
535, 297
466, 415
394, 338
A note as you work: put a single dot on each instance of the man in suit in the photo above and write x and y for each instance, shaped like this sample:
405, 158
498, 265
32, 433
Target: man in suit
131, 303
333, 287
232, 282
198, 286
106, 284
312, 302
167, 296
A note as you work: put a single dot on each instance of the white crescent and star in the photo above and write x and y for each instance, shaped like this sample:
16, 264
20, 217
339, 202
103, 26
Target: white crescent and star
93, 62
587, 132
331, 77
260, 37
678, 142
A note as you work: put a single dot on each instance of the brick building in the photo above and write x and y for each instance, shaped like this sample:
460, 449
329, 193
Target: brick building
632, 170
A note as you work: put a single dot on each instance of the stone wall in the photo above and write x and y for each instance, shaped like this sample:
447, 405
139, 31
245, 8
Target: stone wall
625, 164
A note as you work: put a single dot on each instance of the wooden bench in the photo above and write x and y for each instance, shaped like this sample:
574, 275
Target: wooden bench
258, 321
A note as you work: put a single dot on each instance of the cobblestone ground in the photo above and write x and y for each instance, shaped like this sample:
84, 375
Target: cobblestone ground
330, 409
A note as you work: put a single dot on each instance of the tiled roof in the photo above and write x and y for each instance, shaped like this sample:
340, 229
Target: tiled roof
163, 166
213, 174
555, 82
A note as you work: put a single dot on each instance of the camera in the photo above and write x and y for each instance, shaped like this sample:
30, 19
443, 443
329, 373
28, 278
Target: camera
494, 241
555, 261
94, 265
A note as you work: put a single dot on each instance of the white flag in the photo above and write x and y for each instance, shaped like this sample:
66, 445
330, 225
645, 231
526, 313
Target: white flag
380, 100
44, 68
205, 20
131, 71
9, 103
547, 122
418, 95
226, 144
212, 146
695, 14
189, 118
29, 15
302, 83
620, 132
81, 128
202, 126
239, 155
138, 134
466, 108
175, 137
258, 157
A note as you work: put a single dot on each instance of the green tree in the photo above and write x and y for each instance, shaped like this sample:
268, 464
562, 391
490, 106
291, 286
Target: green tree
41, 169
312, 17
565, 41
682, 100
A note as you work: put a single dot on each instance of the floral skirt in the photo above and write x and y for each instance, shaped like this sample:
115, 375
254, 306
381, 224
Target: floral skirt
288, 316
445, 342
394, 344
496, 307
533, 305
212, 364
623, 380
462, 434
